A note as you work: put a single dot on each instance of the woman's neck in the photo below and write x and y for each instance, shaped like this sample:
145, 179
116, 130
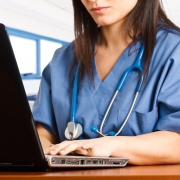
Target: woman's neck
109, 48
113, 37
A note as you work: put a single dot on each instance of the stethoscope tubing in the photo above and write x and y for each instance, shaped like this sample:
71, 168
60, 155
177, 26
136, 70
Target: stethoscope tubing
136, 66
74, 97
72, 124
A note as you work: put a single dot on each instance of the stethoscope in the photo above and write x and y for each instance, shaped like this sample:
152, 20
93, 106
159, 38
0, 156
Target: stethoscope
74, 130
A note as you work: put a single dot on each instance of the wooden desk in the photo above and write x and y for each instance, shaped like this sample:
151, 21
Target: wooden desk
160, 172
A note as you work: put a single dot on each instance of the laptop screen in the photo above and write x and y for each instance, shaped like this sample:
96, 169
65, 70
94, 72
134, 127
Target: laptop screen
18, 135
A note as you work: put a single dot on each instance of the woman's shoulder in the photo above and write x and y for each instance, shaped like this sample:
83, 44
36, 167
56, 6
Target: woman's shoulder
167, 48
167, 43
169, 35
65, 51
61, 60
63, 55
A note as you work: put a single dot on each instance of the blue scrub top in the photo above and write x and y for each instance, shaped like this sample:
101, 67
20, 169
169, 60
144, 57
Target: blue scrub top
157, 107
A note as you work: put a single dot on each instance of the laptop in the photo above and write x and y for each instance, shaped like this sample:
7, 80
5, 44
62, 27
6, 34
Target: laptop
19, 140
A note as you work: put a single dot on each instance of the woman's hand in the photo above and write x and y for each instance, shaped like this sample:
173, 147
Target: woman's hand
160, 147
93, 147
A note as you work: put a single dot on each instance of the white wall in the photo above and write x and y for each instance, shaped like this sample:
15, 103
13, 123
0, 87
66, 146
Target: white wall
42, 17
172, 8
37, 16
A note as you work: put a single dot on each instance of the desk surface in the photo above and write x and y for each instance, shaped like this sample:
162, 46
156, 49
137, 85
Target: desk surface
165, 172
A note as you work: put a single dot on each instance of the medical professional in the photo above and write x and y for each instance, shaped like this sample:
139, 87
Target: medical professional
80, 82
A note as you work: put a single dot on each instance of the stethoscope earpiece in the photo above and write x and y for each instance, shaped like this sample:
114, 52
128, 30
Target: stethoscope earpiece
95, 130
111, 133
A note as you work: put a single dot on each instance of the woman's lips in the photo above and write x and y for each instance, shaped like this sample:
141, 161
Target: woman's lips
99, 10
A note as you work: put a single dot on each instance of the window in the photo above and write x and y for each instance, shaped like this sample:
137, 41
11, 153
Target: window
47, 50
25, 53
32, 52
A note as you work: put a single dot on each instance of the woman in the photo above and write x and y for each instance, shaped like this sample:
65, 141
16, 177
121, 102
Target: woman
109, 35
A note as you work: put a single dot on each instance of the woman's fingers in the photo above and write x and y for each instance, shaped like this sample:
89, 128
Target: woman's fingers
54, 149
46, 151
92, 147
74, 146
67, 147
79, 147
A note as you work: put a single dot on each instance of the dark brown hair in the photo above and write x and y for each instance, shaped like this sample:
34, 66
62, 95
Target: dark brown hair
141, 23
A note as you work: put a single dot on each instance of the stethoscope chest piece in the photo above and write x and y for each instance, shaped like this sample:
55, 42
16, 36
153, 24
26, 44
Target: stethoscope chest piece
73, 130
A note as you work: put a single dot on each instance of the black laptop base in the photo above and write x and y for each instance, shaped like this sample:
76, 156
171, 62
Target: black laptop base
19, 140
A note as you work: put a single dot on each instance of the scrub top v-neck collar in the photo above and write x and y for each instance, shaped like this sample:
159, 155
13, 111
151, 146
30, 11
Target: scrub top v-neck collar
110, 81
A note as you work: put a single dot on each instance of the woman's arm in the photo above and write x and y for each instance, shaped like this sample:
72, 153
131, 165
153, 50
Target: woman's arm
161, 147
46, 138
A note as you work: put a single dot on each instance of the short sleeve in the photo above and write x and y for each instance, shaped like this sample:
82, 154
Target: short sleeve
43, 109
169, 95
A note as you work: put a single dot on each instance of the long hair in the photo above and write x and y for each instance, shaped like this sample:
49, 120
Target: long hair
141, 24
